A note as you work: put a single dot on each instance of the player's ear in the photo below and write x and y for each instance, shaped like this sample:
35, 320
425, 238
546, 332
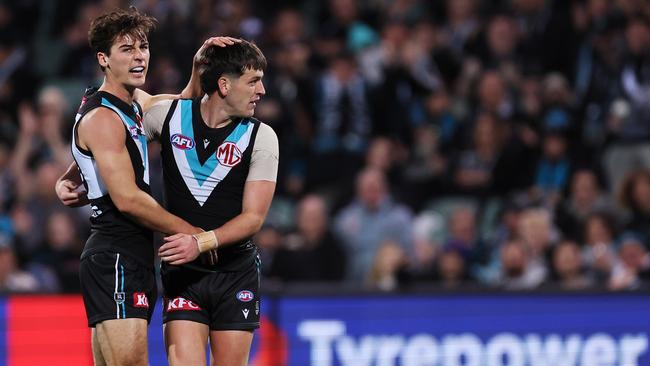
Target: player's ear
102, 59
224, 85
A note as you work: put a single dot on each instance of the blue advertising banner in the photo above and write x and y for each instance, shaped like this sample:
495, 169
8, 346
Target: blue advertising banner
495, 330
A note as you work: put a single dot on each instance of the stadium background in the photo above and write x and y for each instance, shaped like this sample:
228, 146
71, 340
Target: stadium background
461, 181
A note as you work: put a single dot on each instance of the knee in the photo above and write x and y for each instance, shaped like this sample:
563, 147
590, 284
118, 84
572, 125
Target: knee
132, 359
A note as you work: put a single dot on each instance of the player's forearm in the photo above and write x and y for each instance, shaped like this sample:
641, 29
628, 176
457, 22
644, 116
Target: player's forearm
145, 210
239, 228
71, 174
193, 87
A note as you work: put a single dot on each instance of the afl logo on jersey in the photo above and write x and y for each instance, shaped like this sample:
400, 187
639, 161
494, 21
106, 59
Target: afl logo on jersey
245, 296
182, 142
228, 154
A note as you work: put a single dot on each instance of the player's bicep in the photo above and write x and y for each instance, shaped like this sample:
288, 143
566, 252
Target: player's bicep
258, 195
264, 159
104, 136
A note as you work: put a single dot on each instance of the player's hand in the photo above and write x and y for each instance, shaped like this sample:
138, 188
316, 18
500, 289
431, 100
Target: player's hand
179, 249
67, 192
213, 41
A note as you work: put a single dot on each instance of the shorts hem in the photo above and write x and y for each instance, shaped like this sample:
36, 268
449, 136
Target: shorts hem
187, 318
92, 322
236, 326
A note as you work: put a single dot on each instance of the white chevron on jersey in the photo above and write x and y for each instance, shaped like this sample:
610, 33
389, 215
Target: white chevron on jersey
202, 179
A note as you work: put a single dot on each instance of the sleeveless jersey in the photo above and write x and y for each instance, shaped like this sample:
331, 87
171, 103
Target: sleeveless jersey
205, 171
110, 229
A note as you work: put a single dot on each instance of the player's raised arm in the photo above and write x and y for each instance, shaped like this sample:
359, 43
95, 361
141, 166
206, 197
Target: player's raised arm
103, 134
193, 87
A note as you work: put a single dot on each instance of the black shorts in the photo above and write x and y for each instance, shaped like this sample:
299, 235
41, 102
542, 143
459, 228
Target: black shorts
222, 300
115, 286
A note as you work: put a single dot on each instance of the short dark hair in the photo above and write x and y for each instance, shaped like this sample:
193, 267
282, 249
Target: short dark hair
233, 59
106, 28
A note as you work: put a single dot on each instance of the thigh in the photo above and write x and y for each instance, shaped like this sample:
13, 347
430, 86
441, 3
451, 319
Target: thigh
185, 342
115, 286
98, 357
236, 300
123, 341
230, 347
182, 297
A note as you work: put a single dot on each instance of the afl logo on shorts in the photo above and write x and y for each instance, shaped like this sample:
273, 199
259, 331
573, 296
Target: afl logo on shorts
182, 142
228, 154
245, 296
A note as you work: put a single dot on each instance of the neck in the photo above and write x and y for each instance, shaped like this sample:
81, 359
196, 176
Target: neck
214, 113
125, 93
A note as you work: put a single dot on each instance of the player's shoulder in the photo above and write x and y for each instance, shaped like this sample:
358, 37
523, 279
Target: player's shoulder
264, 128
101, 123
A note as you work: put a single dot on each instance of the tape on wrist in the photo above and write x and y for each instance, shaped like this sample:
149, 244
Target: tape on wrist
206, 241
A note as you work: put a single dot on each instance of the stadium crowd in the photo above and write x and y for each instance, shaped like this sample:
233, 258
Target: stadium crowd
442, 144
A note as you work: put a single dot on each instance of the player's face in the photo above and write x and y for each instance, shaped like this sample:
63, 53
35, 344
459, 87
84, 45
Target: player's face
245, 92
128, 61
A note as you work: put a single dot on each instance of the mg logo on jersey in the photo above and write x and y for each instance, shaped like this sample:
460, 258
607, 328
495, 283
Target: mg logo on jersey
228, 154
140, 300
182, 142
179, 303
245, 296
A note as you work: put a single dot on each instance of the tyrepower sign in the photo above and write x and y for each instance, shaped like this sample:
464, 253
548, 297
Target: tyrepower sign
469, 331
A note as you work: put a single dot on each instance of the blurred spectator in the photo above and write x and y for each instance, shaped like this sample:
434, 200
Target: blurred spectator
494, 96
628, 117
427, 236
537, 234
553, 169
269, 240
18, 81
585, 198
473, 169
567, 267
369, 220
312, 252
424, 172
517, 273
633, 268
59, 254
453, 269
461, 26
599, 252
343, 126
544, 26
12, 278
389, 261
463, 235
499, 52
635, 197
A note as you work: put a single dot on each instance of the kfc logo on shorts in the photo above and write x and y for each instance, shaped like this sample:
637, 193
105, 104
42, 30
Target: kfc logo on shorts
182, 142
179, 303
228, 154
140, 300
245, 296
